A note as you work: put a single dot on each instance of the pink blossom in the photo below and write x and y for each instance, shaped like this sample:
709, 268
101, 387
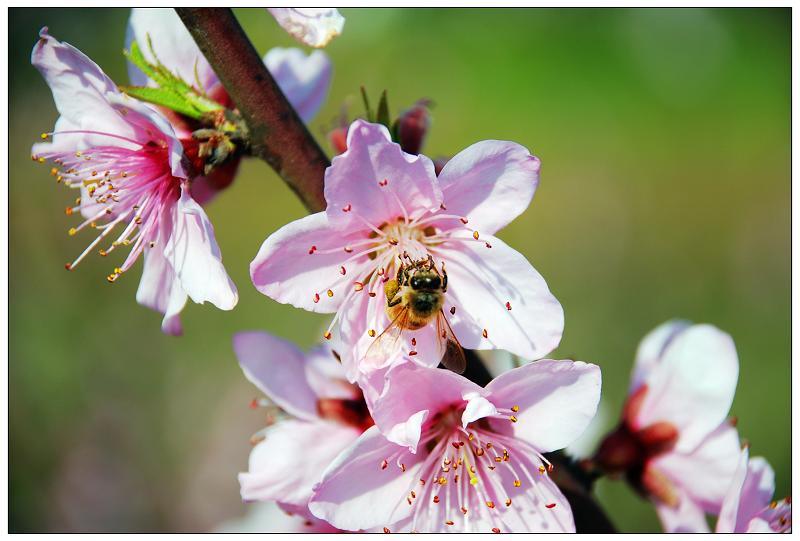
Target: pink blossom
747, 507
447, 455
124, 158
304, 80
674, 443
315, 27
319, 415
268, 517
385, 205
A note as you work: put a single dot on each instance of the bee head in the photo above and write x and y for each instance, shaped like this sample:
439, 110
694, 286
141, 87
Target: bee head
425, 280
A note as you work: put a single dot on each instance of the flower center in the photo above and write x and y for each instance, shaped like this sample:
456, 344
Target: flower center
118, 185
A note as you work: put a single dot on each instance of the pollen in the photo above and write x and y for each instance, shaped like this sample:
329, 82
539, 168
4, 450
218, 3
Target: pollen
517, 483
327, 335
449, 522
330, 293
513, 419
413, 341
371, 333
102, 253
495, 530
515, 408
68, 211
386, 530
490, 504
412, 353
508, 502
44, 136
358, 286
72, 231
441, 481
464, 221
476, 235
485, 333
541, 470
347, 208
489, 246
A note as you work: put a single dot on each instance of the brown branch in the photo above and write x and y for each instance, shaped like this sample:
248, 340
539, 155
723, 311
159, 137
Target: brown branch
276, 133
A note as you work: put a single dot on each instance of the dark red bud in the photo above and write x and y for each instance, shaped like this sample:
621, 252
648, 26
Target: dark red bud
619, 452
412, 127
632, 406
658, 437
338, 139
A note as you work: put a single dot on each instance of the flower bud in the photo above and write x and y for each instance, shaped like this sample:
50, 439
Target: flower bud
412, 127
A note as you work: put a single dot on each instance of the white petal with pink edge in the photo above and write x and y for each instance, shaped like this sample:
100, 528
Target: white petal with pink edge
278, 368
490, 183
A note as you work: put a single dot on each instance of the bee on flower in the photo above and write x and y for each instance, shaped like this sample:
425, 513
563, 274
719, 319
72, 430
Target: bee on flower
404, 254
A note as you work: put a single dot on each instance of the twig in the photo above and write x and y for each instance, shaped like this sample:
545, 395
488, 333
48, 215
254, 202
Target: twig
277, 135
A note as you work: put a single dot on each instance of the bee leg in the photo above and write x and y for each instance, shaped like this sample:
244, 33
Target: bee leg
390, 289
444, 279
401, 275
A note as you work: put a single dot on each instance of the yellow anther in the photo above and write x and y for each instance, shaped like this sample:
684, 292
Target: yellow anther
512, 419
44, 136
475, 235
517, 483
330, 293
371, 333
541, 470
515, 409
41, 160
327, 335
54, 171
72, 231
442, 481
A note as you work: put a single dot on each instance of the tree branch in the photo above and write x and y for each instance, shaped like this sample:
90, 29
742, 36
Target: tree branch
276, 133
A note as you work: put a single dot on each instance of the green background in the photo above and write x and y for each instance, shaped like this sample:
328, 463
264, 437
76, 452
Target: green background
665, 142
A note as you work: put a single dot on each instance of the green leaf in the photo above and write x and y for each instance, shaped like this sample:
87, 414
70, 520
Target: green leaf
165, 98
183, 95
383, 111
364, 97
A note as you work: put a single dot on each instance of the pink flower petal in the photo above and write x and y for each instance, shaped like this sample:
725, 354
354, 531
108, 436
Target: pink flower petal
688, 517
556, 400
325, 375
78, 86
194, 254
375, 182
693, 385
278, 368
160, 291
491, 183
282, 468
364, 485
410, 389
648, 354
304, 79
704, 474
483, 283
302, 261
750, 491
315, 27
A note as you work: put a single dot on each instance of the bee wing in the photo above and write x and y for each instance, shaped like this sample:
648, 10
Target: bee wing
452, 353
386, 342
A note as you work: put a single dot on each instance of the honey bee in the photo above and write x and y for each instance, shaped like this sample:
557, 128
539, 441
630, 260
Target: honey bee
414, 298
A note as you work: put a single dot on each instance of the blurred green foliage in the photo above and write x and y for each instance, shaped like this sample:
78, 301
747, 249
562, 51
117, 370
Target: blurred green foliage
665, 142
